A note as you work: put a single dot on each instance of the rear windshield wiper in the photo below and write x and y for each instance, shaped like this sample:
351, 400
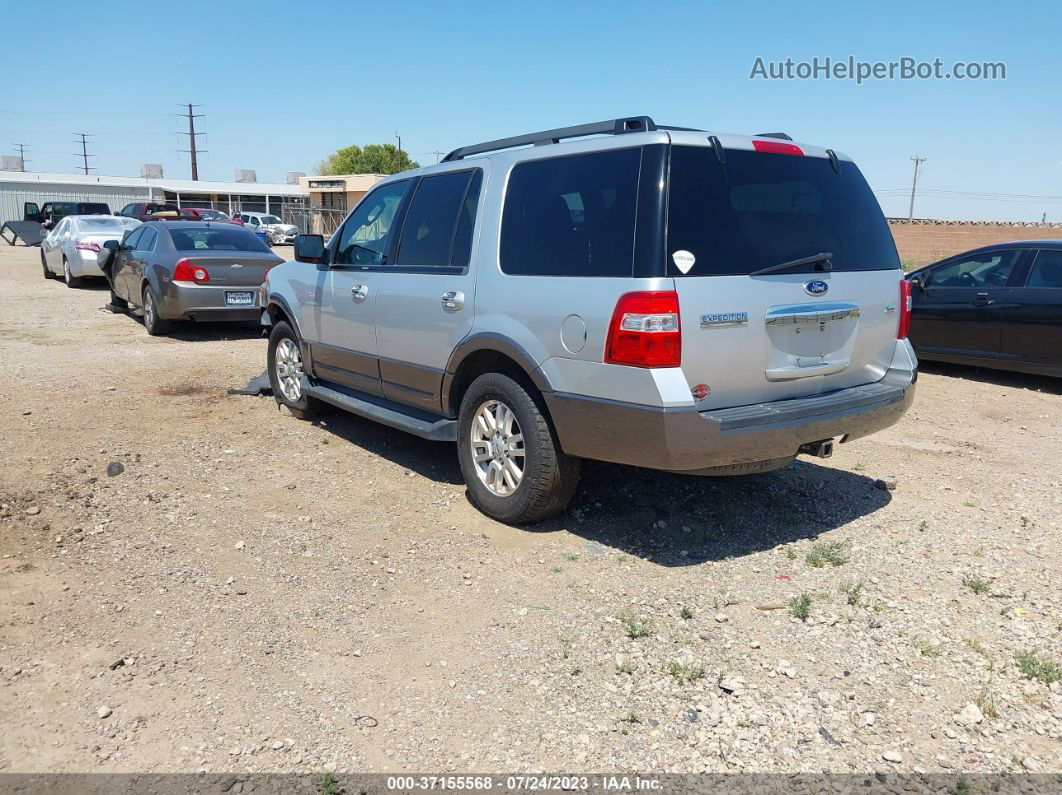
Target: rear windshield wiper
822, 257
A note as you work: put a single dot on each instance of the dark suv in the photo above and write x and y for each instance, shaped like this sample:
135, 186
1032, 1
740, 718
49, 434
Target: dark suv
53, 212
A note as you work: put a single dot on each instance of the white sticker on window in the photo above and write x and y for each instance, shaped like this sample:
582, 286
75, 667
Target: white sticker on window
683, 261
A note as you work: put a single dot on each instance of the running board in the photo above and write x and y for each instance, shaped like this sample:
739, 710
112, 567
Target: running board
386, 412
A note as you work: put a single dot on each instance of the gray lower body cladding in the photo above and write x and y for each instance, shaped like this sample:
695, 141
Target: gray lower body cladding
685, 440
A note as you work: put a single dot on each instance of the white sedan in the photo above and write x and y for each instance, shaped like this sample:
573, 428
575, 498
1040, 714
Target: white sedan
70, 249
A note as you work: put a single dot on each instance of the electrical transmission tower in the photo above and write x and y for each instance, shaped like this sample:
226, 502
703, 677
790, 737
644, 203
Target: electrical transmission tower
84, 151
192, 150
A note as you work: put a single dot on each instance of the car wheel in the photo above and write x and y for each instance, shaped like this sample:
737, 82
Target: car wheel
44, 264
514, 469
154, 324
284, 363
68, 277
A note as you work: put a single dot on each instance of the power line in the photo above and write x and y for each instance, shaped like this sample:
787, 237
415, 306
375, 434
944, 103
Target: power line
918, 161
191, 150
84, 151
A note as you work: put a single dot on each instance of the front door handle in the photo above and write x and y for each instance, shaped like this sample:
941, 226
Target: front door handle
453, 300
359, 292
982, 299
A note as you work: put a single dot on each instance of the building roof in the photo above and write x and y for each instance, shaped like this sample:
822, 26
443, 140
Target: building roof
162, 183
339, 182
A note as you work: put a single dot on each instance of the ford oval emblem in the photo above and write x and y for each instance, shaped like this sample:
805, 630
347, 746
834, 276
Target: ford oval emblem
816, 287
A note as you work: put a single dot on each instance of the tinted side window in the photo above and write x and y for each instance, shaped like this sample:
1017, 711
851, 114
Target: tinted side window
147, 240
134, 237
988, 269
365, 236
466, 224
572, 216
428, 231
1046, 271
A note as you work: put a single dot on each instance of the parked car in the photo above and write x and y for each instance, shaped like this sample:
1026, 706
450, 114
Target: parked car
278, 232
672, 299
70, 249
204, 214
186, 270
50, 213
143, 211
996, 306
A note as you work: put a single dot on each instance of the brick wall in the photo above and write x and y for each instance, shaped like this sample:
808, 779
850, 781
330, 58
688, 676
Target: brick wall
924, 241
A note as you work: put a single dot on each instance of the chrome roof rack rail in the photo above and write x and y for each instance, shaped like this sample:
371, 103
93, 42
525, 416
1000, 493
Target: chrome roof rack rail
629, 124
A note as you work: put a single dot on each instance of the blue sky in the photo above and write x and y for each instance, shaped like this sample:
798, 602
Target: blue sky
282, 84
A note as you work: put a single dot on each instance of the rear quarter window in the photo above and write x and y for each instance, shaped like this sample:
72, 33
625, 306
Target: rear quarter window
572, 215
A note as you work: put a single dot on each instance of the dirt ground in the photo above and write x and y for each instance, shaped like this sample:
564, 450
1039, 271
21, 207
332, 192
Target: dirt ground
257, 593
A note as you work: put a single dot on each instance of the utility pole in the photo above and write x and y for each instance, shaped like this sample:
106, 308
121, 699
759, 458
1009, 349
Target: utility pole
1043, 220
22, 154
436, 153
192, 150
84, 151
918, 161
399, 137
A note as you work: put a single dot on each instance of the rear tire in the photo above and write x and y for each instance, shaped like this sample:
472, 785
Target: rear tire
44, 264
490, 452
285, 368
154, 324
68, 277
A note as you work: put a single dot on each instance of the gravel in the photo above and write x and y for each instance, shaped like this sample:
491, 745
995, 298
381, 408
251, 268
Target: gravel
247, 613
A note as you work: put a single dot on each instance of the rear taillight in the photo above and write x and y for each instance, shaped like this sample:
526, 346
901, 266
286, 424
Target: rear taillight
645, 331
185, 271
83, 246
777, 148
905, 310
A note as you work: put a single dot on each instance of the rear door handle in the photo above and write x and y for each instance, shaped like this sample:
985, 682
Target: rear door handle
359, 292
982, 299
453, 300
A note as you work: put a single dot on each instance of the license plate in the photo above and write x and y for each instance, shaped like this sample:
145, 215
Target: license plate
233, 298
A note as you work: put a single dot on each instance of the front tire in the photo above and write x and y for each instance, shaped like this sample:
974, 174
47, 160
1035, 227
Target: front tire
510, 459
68, 277
154, 324
44, 264
284, 363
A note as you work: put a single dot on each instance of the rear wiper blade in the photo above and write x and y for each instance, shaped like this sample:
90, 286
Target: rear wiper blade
823, 257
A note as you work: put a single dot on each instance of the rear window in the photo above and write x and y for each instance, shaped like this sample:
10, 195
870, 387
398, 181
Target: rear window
572, 216
100, 225
215, 238
760, 209
93, 209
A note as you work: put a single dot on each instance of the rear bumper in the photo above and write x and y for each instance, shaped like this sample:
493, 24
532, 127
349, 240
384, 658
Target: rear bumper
684, 439
181, 301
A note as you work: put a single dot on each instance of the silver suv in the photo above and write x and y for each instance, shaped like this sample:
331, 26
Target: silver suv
700, 303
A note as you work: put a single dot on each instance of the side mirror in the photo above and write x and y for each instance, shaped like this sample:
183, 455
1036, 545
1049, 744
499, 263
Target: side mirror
311, 248
920, 281
111, 245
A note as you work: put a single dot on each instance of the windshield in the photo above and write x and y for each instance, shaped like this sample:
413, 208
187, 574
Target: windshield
215, 238
106, 224
760, 209
212, 214
270, 219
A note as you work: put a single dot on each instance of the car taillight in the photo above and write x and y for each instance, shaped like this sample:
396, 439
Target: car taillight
777, 148
185, 271
83, 246
905, 310
645, 331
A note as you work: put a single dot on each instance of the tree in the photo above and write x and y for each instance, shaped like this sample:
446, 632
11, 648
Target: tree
373, 159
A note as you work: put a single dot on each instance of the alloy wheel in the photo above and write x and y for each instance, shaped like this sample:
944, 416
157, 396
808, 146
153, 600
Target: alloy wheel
288, 365
497, 448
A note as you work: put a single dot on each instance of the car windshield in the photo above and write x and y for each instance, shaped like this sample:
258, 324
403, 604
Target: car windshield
211, 214
270, 219
216, 238
758, 210
93, 225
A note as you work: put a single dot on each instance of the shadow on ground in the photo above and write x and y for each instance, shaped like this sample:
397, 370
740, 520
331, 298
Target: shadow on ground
622, 507
1004, 378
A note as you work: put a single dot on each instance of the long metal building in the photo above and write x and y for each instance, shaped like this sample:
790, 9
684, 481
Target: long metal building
18, 187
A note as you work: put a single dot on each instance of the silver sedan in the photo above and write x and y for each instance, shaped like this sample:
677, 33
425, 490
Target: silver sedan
70, 249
